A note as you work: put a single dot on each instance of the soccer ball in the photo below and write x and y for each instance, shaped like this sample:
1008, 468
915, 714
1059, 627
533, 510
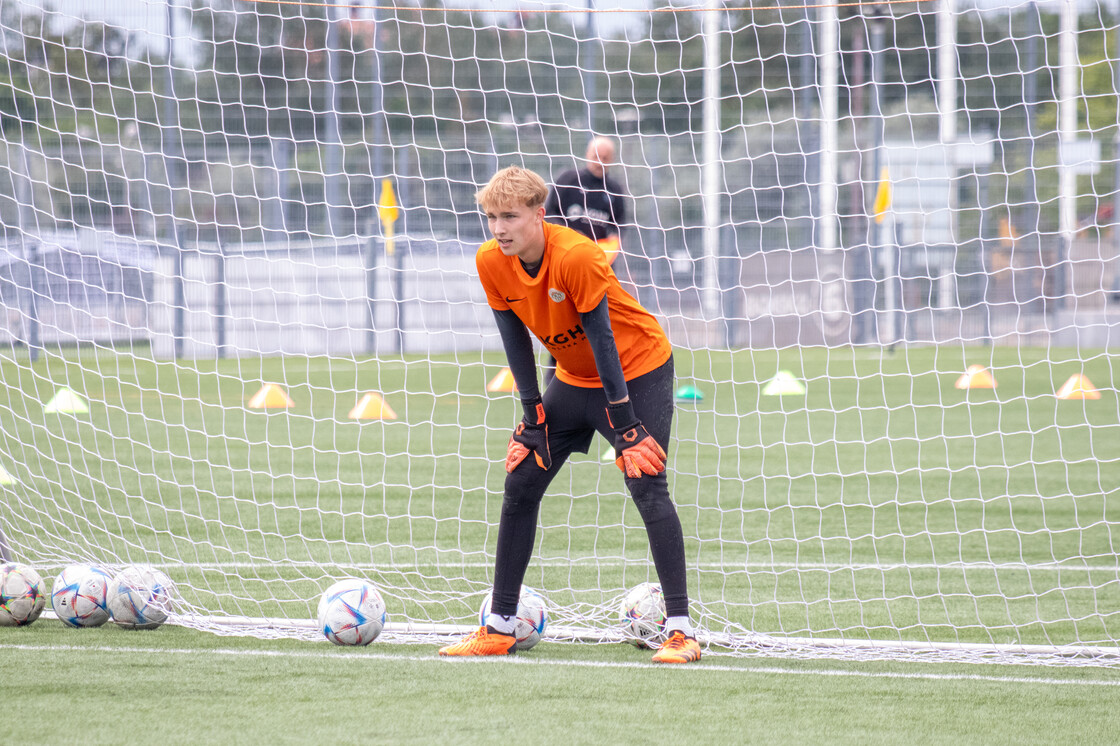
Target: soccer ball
352, 612
21, 595
80, 596
643, 615
140, 597
532, 617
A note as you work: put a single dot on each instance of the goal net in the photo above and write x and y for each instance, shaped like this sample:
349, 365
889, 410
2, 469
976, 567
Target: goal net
242, 338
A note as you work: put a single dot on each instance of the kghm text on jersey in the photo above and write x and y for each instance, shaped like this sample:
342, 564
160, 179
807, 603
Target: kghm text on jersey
564, 338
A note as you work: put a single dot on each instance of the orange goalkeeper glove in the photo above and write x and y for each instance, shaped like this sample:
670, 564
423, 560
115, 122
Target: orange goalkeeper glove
530, 436
636, 451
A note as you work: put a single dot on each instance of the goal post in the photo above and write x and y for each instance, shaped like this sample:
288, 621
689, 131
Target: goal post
882, 242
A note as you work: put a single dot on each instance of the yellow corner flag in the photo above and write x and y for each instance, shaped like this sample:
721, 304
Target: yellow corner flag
882, 197
387, 204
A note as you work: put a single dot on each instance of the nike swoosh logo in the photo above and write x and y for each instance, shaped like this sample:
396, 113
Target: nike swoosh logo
513, 300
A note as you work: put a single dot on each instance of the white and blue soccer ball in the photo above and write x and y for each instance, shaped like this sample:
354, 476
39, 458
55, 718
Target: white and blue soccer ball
351, 612
22, 596
532, 617
80, 596
140, 597
642, 615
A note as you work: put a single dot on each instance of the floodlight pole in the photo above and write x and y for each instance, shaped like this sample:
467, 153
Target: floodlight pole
711, 170
31, 256
807, 129
1031, 233
1116, 166
587, 60
332, 163
380, 124
1067, 132
947, 72
172, 156
828, 234
379, 139
877, 243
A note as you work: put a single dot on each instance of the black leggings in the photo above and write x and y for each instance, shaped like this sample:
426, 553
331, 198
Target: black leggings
574, 415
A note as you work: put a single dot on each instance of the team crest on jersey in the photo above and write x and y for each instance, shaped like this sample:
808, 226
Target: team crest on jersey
556, 295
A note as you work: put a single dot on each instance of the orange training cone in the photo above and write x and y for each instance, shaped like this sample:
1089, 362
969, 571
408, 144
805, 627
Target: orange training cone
502, 382
1078, 387
372, 407
976, 377
610, 247
271, 396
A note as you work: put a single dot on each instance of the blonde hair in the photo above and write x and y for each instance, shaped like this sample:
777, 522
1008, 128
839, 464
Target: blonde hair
513, 186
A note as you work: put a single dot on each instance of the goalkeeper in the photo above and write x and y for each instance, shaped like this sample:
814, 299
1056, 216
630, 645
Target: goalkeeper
614, 375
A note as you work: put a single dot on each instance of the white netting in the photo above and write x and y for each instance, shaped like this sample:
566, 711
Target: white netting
835, 212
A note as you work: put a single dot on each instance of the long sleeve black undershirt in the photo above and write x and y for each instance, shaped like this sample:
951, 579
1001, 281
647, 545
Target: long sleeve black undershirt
596, 325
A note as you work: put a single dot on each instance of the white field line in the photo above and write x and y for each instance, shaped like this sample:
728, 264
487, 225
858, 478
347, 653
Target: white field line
591, 562
523, 661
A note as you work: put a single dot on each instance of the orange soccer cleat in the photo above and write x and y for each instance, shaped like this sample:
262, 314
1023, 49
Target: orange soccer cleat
679, 648
483, 641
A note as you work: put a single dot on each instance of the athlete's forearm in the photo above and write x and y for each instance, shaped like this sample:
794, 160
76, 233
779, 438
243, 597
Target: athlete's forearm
519, 352
597, 326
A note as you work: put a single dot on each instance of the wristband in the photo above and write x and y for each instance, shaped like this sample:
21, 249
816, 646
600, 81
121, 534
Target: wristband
621, 415
532, 413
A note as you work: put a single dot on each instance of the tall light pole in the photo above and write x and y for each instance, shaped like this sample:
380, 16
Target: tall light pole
947, 71
876, 239
333, 162
828, 235
807, 129
172, 159
1032, 233
379, 138
1116, 167
1067, 133
711, 170
586, 67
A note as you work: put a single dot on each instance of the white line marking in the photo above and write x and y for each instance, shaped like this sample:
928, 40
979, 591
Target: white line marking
519, 660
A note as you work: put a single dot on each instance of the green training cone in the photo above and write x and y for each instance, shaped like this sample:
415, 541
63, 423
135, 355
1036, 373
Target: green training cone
66, 401
689, 393
782, 384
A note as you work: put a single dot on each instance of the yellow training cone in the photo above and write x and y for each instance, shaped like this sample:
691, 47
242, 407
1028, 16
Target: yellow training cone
5, 477
372, 407
976, 377
502, 382
271, 396
1078, 387
782, 384
66, 401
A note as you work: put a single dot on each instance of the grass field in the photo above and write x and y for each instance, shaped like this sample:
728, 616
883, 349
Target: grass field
179, 686
883, 504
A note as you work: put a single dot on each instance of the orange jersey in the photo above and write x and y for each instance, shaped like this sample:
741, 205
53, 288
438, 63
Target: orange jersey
573, 278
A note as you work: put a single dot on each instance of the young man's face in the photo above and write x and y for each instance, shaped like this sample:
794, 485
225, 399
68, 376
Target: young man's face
518, 229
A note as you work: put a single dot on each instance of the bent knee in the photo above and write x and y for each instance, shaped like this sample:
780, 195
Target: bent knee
651, 497
524, 490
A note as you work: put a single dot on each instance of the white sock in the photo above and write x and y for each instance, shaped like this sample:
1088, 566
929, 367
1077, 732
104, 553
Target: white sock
679, 622
504, 624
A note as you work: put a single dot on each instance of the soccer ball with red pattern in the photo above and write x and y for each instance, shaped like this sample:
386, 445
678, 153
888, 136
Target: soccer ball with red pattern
532, 617
351, 612
140, 597
642, 615
21, 595
80, 596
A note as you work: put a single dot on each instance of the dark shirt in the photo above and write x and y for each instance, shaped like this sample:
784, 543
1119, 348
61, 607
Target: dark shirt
582, 201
